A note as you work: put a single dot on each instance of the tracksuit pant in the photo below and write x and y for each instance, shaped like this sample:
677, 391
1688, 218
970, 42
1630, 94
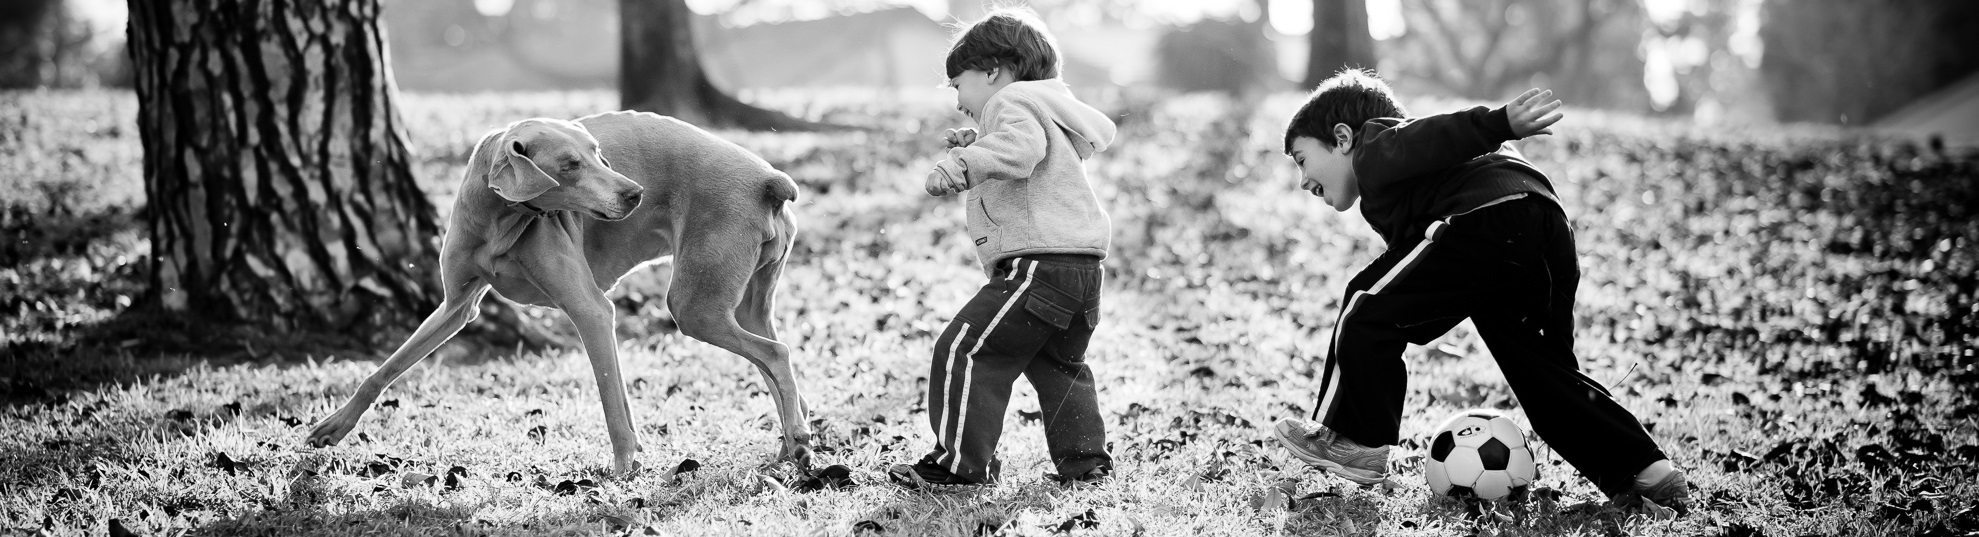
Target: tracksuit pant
1510, 267
1033, 318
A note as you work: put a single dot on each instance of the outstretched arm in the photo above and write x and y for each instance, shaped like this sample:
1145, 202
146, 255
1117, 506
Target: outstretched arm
1394, 150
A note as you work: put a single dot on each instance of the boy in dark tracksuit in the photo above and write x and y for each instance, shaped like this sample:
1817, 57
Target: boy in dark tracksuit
1474, 231
1040, 234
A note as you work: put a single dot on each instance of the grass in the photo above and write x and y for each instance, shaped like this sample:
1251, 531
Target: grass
1791, 314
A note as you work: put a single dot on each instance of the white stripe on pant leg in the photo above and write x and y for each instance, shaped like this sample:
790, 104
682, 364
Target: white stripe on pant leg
969, 366
947, 384
1428, 237
1331, 392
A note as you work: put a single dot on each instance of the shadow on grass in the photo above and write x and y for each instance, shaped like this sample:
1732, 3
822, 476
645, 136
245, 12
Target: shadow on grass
27, 236
142, 343
957, 512
313, 506
408, 516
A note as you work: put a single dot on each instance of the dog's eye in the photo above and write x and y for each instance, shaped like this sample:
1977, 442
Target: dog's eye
605, 161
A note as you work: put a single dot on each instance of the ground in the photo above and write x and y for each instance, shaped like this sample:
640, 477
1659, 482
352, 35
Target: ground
1789, 310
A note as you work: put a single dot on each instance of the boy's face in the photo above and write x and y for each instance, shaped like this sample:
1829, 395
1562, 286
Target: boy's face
1327, 172
973, 89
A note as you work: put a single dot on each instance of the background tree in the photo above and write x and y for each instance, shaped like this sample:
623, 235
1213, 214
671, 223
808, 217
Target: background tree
1836, 61
1213, 54
1339, 39
660, 71
276, 165
1585, 50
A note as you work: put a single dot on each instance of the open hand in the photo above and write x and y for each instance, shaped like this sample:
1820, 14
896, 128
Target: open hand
960, 137
1533, 113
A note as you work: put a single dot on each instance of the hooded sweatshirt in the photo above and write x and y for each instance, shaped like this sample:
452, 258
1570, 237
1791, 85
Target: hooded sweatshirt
1027, 187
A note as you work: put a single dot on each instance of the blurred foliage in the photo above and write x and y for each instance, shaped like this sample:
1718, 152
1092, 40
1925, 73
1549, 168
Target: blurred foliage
1224, 55
1843, 61
47, 43
1592, 52
1585, 50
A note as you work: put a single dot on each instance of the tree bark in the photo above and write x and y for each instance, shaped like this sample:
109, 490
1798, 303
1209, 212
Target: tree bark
276, 166
1339, 39
660, 72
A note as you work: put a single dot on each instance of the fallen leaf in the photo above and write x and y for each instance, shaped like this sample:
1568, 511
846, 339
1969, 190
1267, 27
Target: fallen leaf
417, 479
1086, 520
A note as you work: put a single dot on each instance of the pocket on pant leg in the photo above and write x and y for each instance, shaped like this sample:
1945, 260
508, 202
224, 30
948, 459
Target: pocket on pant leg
1057, 316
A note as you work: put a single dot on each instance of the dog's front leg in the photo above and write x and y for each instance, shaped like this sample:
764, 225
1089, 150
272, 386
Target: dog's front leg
458, 308
562, 273
594, 320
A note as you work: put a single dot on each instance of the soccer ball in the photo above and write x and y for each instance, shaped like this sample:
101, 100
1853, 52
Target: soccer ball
1479, 453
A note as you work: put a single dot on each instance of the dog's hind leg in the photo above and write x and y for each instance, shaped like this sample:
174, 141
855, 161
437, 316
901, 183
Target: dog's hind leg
715, 303
757, 315
454, 312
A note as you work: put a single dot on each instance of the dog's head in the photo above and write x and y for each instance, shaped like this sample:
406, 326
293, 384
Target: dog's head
556, 165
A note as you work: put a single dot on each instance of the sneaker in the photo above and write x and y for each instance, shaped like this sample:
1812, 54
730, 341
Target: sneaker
1320, 446
1093, 477
1661, 483
904, 476
907, 476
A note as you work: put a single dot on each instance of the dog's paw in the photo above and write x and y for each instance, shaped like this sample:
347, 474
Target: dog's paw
627, 469
798, 455
328, 433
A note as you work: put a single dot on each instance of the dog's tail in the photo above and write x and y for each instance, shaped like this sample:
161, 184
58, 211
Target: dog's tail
780, 188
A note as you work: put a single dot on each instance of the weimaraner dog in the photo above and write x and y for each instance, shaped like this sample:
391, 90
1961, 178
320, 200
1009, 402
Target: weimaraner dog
550, 213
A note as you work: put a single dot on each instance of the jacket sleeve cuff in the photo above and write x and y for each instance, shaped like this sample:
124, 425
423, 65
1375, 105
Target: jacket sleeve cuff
1498, 124
956, 167
952, 169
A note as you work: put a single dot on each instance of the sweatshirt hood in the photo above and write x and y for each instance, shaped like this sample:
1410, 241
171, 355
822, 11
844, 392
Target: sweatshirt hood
1090, 130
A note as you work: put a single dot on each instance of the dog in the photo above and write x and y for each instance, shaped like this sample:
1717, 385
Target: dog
553, 212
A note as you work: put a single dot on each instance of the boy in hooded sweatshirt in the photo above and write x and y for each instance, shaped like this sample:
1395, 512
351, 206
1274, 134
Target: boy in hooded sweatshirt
1040, 235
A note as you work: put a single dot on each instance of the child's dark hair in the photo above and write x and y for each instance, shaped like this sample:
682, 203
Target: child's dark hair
1351, 96
1009, 38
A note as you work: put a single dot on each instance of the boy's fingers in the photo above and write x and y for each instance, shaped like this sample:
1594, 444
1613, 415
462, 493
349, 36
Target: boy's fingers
1548, 120
1523, 98
1548, 107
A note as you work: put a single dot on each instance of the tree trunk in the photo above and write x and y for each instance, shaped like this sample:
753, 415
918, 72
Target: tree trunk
1339, 39
276, 166
660, 72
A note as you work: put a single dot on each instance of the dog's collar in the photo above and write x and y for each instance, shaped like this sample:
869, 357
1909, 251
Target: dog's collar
527, 209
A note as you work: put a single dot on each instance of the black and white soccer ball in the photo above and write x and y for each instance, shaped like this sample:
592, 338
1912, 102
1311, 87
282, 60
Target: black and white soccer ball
1479, 453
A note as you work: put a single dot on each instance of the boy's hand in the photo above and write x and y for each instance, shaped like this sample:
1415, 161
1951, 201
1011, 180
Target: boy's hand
946, 179
1532, 113
960, 137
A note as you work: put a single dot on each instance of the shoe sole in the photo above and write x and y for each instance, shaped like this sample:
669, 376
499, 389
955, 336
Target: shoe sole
1357, 476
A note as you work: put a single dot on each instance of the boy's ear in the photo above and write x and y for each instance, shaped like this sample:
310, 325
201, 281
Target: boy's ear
1343, 136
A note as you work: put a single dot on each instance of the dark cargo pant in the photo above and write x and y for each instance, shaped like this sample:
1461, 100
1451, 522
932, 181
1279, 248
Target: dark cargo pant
1033, 318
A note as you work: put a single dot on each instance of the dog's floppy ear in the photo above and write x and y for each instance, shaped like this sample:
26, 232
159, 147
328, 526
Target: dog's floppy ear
514, 177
